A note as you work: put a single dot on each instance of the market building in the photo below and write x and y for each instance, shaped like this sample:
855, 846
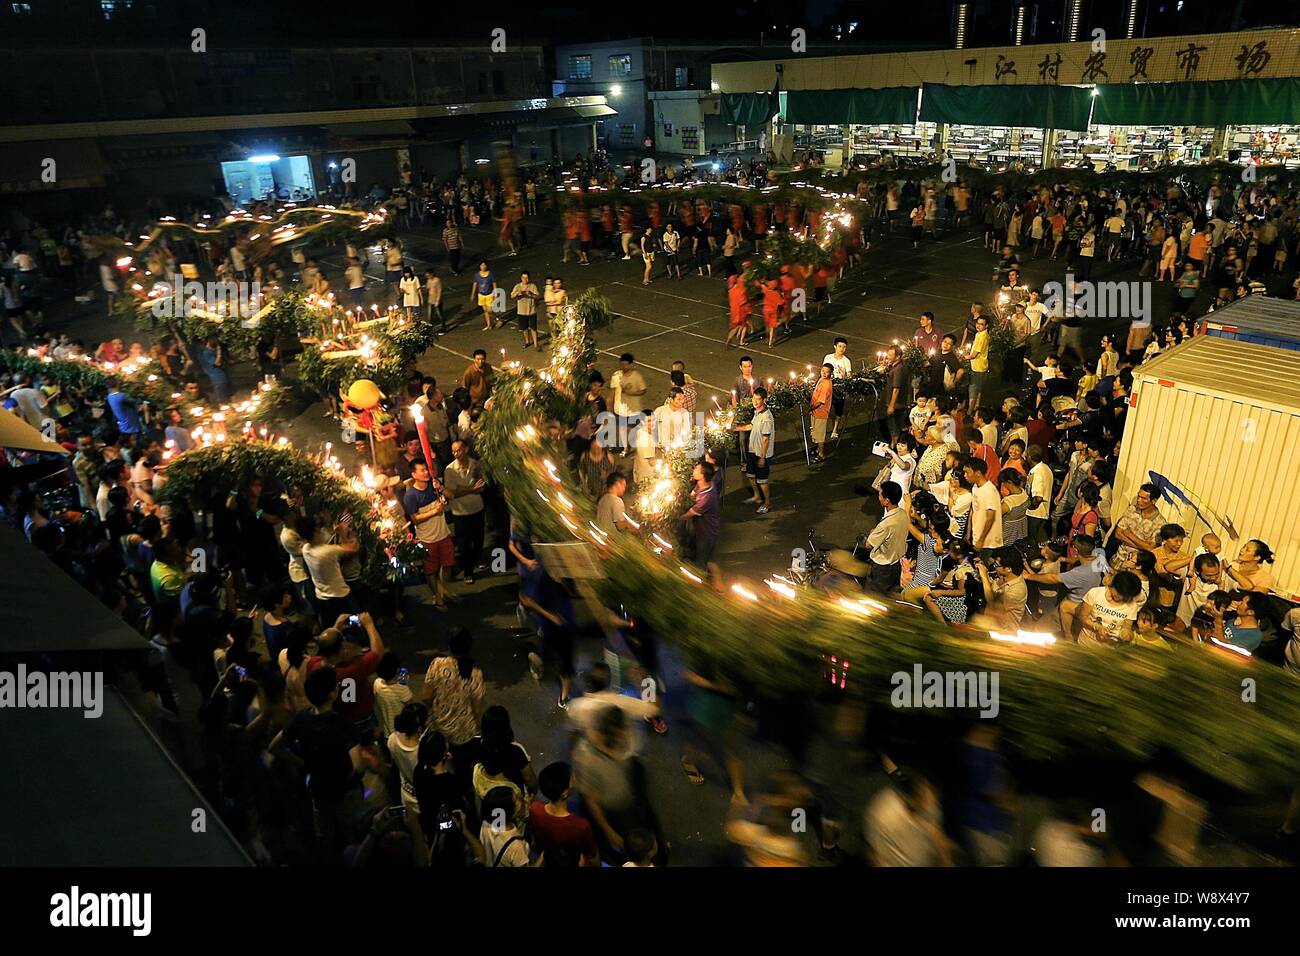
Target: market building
171, 124
1130, 102
664, 91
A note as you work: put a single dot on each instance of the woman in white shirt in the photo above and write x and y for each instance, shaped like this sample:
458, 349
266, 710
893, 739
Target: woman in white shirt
503, 842
411, 289
404, 749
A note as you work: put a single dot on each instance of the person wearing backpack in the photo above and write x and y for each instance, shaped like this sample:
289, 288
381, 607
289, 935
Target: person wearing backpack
503, 842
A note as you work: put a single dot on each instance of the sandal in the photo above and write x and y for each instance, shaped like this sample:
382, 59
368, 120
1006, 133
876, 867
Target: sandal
693, 775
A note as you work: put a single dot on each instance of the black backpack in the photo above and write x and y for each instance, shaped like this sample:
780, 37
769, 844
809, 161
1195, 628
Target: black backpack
976, 600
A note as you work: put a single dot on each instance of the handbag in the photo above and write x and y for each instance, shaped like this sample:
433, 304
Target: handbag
502, 852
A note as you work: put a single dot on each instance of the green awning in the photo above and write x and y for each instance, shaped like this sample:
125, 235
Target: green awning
841, 107
750, 109
1212, 103
1042, 107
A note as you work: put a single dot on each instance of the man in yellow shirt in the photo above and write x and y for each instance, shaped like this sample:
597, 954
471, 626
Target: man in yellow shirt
979, 361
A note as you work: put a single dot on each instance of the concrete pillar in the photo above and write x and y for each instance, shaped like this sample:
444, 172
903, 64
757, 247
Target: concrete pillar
943, 139
1050, 137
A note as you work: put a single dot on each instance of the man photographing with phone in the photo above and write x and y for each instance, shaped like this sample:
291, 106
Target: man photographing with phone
355, 669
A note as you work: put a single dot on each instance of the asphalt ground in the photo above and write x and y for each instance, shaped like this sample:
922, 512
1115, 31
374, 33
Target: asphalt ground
687, 320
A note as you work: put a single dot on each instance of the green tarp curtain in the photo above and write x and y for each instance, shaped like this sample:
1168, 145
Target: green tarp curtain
750, 109
1212, 103
842, 107
1044, 107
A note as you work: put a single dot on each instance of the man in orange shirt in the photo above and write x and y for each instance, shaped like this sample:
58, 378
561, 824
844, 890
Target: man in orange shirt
738, 300
1198, 246
570, 233
772, 300
787, 296
822, 398
584, 237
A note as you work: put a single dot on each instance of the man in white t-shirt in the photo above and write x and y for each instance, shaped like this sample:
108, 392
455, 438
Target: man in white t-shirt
1040, 493
325, 565
986, 507
1035, 312
1106, 616
611, 515
841, 368
904, 826
673, 421
31, 402
762, 448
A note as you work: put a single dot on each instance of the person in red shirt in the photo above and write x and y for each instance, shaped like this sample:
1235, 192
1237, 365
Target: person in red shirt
771, 308
821, 288
584, 237
656, 216
625, 229
741, 309
760, 226
688, 218
802, 272
838, 258
788, 285
607, 227
975, 445
778, 216
820, 411
737, 219
1041, 432
557, 832
570, 233
356, 699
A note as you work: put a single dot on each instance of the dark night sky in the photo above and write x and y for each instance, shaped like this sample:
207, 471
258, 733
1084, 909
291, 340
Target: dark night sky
880, 22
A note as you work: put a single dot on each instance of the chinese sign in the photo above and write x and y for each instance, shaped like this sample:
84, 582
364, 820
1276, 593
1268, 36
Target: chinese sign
1217, 56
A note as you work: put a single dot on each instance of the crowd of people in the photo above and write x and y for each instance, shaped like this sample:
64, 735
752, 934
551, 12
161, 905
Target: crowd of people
269, 673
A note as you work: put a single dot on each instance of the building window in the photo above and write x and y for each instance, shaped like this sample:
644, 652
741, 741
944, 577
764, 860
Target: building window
682, 77
580, 67
499, 82
626, 134
620, 65
691, 138
113, 8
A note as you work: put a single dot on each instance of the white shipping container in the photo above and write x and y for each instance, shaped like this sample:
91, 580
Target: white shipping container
1220, 419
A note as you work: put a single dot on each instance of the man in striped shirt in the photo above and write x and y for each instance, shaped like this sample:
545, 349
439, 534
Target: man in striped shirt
451, 239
